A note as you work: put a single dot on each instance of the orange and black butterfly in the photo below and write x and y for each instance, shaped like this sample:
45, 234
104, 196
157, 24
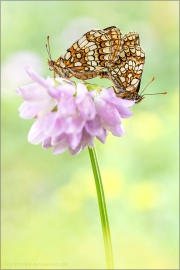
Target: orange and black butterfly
88, 56
126, 71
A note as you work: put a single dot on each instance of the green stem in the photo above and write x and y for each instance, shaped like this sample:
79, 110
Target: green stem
102, 208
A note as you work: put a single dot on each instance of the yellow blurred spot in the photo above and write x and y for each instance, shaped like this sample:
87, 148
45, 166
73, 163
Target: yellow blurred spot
70, 198
112, 182
73, 195
148, 126
143, 196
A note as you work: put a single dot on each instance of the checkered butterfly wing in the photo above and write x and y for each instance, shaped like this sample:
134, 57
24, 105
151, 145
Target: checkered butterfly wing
131, 38
116, 42
126, 72
89, 55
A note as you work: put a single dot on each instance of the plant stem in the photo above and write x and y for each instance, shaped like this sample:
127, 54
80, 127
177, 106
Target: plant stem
102, 208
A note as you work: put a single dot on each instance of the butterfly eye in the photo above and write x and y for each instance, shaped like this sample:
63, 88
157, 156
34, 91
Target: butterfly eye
136, 97
51, 65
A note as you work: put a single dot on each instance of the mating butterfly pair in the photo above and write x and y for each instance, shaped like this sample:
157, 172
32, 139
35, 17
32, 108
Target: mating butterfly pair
105, 53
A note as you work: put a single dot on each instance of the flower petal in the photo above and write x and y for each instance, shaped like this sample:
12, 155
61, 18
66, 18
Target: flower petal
117, 130
76, 150
58, 91
47, 143
81, 93
87, 108
30, 110
108, 113
36, 78
32, 92
73, 124
53, 125
36, 134
94, 127
74, 139
86, 140
61, 147
67, 106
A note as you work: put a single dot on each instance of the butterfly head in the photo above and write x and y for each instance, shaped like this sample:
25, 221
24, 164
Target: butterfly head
139, 97
131, 96
128, 95
50, 62
134, 94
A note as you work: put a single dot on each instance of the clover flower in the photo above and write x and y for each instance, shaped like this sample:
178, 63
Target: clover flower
69, 116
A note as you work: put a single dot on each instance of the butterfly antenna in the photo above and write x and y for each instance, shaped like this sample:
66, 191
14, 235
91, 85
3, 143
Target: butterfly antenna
148, 84
48, 48
163, 93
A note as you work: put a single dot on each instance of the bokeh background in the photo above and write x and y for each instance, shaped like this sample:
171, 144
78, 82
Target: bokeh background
50, 217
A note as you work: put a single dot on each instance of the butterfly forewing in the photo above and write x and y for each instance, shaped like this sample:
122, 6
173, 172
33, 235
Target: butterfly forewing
88, 56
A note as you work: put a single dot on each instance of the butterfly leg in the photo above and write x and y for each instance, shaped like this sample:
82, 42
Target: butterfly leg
104, 74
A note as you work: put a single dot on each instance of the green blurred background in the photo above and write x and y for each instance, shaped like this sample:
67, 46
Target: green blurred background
50, 217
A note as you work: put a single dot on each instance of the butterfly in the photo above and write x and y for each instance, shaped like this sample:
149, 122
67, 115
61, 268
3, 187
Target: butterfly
88, 56
126, 71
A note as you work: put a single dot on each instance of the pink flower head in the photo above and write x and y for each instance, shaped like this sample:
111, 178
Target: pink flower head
69, 117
